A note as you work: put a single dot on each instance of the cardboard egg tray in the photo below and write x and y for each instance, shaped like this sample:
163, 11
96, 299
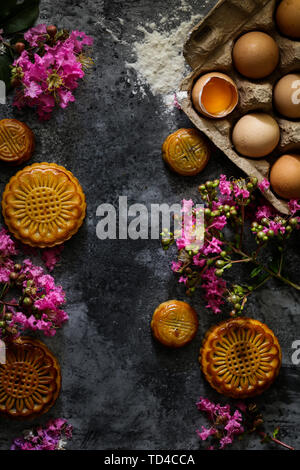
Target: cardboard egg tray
209, 48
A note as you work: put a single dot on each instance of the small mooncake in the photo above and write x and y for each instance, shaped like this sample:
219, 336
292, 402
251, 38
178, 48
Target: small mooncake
240, 357
30, 380
186, 152
43, 205
174, 323
16, 141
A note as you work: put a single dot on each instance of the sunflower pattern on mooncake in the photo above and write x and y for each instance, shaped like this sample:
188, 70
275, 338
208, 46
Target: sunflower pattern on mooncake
30, 380
43, 205
240, 357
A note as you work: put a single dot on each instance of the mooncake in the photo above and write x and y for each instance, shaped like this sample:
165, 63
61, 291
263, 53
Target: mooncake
30, 380
16, 141
174, 323
43, 205
186, 152
240, 357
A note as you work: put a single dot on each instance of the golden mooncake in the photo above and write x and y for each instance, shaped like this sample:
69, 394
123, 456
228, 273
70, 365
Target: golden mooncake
240, 357
43, 205
174, 323
16, 141
186, 152
30, 380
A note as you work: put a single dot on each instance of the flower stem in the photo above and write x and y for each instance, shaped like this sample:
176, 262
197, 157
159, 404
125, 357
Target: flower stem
277, 441
265, 268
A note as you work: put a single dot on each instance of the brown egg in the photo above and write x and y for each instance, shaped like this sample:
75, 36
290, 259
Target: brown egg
285, 176
215, 95
287, 95
256, 135
255, 55
288, 18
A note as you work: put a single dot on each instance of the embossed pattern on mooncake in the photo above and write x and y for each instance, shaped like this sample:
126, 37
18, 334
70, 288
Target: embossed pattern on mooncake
30, 381
174, 323
43, 205
240, 357
16, 141
186, 152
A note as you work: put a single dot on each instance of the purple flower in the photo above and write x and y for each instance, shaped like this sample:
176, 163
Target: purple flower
294, 206
264, 185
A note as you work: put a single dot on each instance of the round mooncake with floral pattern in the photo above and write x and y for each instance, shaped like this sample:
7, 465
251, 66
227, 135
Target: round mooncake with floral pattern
43, 205
240, 357
30, 379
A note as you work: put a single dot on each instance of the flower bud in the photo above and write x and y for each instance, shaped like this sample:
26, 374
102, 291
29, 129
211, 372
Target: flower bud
13, 276
51, 30
17, 267
27, 301
19, 47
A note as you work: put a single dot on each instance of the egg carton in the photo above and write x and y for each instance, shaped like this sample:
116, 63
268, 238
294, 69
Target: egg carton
209, 48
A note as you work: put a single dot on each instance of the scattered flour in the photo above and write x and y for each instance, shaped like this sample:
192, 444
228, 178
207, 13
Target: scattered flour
159, 58
160, 64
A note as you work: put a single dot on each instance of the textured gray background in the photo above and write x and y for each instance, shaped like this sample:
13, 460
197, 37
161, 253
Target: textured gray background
121, 390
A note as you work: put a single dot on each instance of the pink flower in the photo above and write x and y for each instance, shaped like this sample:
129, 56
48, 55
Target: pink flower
35, 35
51, 73
205, 433
212, 246
52, 437
240, 192
264, 211
214, 290
51, 256
264, 185
7, 246
187, 205
176, 103
219, 222
225, 186
225, 441
294, 206
176, 265
198, 260
183, 280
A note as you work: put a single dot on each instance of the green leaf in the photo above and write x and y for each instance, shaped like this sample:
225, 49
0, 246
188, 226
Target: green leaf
19, 16
275, 433
255, 271
5, 62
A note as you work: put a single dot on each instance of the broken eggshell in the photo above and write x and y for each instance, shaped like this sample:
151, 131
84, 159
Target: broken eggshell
215, 95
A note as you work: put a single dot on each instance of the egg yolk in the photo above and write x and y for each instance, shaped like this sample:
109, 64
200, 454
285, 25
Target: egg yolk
217, 95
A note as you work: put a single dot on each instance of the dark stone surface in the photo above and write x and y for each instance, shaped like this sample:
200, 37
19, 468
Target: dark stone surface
121, 390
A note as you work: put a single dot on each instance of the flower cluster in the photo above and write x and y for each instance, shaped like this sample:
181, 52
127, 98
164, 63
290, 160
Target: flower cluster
53, 437
39, 306
47, 72
210, 239
225, 425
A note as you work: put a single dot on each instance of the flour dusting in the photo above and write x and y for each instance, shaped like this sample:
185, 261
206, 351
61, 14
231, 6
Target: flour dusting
159, 58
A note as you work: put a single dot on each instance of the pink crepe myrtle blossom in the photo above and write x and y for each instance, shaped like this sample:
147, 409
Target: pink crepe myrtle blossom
53, 436
41, 302
225, 425
294, 206
264, 185
47, 74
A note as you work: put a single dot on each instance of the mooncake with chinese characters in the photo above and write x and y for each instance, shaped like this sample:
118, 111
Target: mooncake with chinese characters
240, 357
186, 152
174, 323
30, 380
43, 205
16, 141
